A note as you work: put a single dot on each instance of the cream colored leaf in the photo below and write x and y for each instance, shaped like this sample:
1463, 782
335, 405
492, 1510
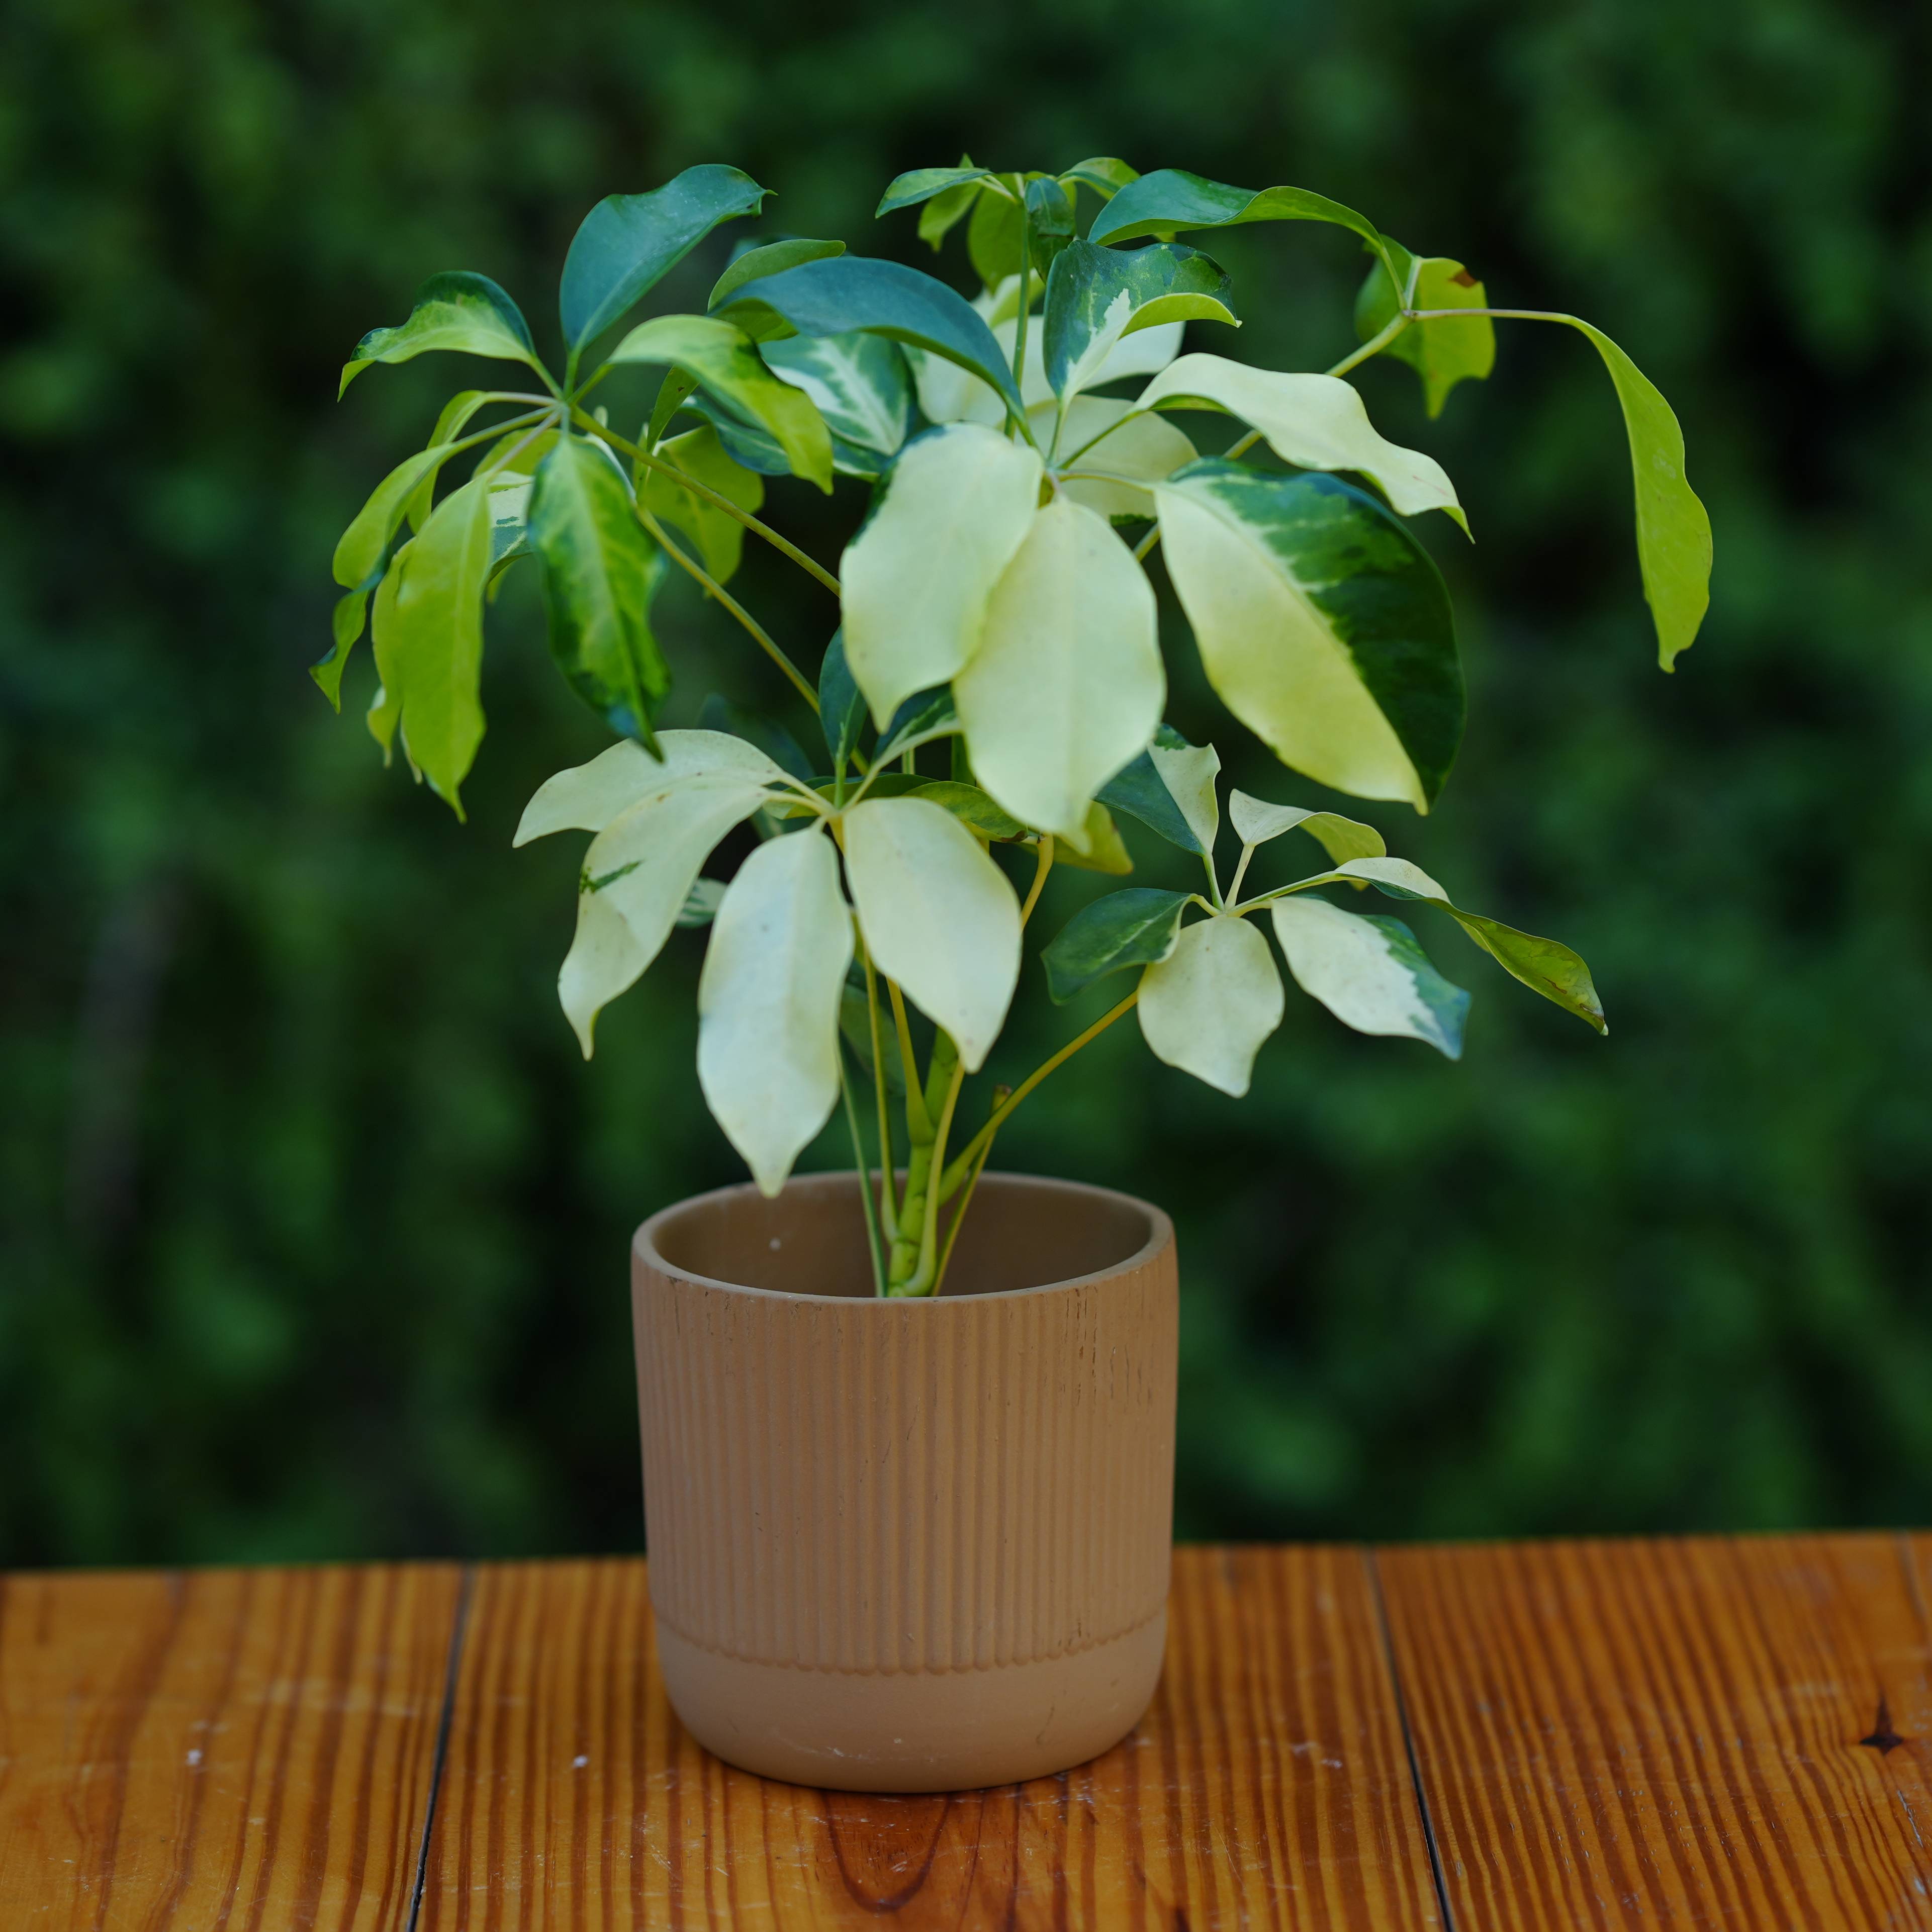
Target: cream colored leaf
1370, 973
955, 505
950, 393
938, 915
1067, 685
1110, 453
1255, 821
586, 798
1188, 773
1317, 422
604, 960
768, 1002
1207, 1007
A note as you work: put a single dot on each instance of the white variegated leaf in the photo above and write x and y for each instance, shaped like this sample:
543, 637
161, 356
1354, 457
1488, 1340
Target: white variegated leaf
950, 393
1317, 422
1370, 973
604, 960
953, 508
1207, 1007
1067, 684
1189, 775
586, 798
768, 1002
939, 917
1255, 821
1113, 455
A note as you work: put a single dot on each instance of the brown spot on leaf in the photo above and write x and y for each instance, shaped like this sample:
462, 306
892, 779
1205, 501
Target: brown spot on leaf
1463, 279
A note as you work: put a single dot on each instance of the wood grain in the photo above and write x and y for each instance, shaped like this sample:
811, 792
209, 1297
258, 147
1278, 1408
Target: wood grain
1729, 1732
1268, 1787
249, 1751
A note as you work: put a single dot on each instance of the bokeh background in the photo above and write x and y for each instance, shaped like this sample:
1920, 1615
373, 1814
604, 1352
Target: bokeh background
314, 1223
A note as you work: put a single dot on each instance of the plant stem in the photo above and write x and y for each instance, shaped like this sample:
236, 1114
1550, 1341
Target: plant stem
918, 1121
965, 1201
950, 1180
888, 1208
713, 588
711, 497
915, 1264
1043, 866
866, 1205
1146, 544
1376, 344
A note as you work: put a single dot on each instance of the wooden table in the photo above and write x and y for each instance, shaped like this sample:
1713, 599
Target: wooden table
1715, 1732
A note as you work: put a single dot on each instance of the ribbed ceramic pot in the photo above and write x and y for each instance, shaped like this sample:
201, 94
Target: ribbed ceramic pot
916, 1545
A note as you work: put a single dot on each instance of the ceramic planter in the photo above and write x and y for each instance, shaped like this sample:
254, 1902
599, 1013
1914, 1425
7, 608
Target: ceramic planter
913, 1545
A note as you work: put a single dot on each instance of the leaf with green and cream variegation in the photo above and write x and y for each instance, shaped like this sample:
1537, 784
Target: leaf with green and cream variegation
946, 521
1049, 219
721, 357
1256, 822
429, 638
1317, 422
720, 538
1142, 791
1443, 352
1207, 1007
862, 387
1137, 927
768, 1002
938, 915
1369, 973
1546, 966
1066, 685
601, 569
457, 311
629, 241
1105, 851
1095, 297
1322, 623
1111, 454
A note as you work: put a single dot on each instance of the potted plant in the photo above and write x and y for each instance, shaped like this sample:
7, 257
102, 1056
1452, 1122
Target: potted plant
908, 1430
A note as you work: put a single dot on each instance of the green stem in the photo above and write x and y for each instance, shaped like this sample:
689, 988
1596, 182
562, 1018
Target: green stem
949, 1179
888, 1208
1042, 866
866, 1203
965, 1201
919, 1122
915, 1265
639, 454
762, 637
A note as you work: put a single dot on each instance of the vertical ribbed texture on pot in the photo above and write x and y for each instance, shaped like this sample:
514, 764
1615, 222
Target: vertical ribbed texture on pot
883, 1486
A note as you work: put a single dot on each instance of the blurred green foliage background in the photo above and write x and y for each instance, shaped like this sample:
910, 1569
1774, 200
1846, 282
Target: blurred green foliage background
314, 1223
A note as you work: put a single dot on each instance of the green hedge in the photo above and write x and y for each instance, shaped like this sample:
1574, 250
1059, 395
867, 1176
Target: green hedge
314, 1228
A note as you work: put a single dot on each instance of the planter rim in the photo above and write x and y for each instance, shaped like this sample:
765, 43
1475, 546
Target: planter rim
1160, 1235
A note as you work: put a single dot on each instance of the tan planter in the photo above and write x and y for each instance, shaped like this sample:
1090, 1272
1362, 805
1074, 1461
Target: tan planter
907, 1545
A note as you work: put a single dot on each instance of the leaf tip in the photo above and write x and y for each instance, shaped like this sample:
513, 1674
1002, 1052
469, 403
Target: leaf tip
350, 371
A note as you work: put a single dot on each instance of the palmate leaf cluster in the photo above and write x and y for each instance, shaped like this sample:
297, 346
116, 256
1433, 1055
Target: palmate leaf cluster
1024, 457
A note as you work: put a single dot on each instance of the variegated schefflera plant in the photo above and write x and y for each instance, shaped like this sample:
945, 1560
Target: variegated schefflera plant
994, 684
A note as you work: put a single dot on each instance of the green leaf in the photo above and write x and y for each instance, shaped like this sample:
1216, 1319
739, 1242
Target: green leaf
971, 806
1370, 973
1443, 353
366, 542
1138, 927
1544, 965
861, 386
719, 355
1256, 822
1049, 219
450, 425
924, 716
768, 1002
1066, 685
700, 904
1188, 771
1095, 296
855, 1022
908, 191
385, 709
938, 915
429, 639
673, 392
748, 264
1322, 623
601, 571
1207, 1007
945, 522
1171, 201
841, 705
347, 624
720, 539
717, 713
1673, 532
456, 310
834, 298
1315, 421
627, 242
749, 444
1102, 174
944, 212
1141, 790
995, 237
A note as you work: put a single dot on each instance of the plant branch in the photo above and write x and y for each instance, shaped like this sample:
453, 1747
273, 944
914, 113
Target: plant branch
925, 1277
919, 1122
1376, 344
717, 501
953, 1175
713, 588
888, 1206
1043, 866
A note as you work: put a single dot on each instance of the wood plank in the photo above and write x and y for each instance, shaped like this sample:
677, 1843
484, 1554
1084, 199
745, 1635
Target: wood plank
1268, 1787
250, 1749
1731, 1731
